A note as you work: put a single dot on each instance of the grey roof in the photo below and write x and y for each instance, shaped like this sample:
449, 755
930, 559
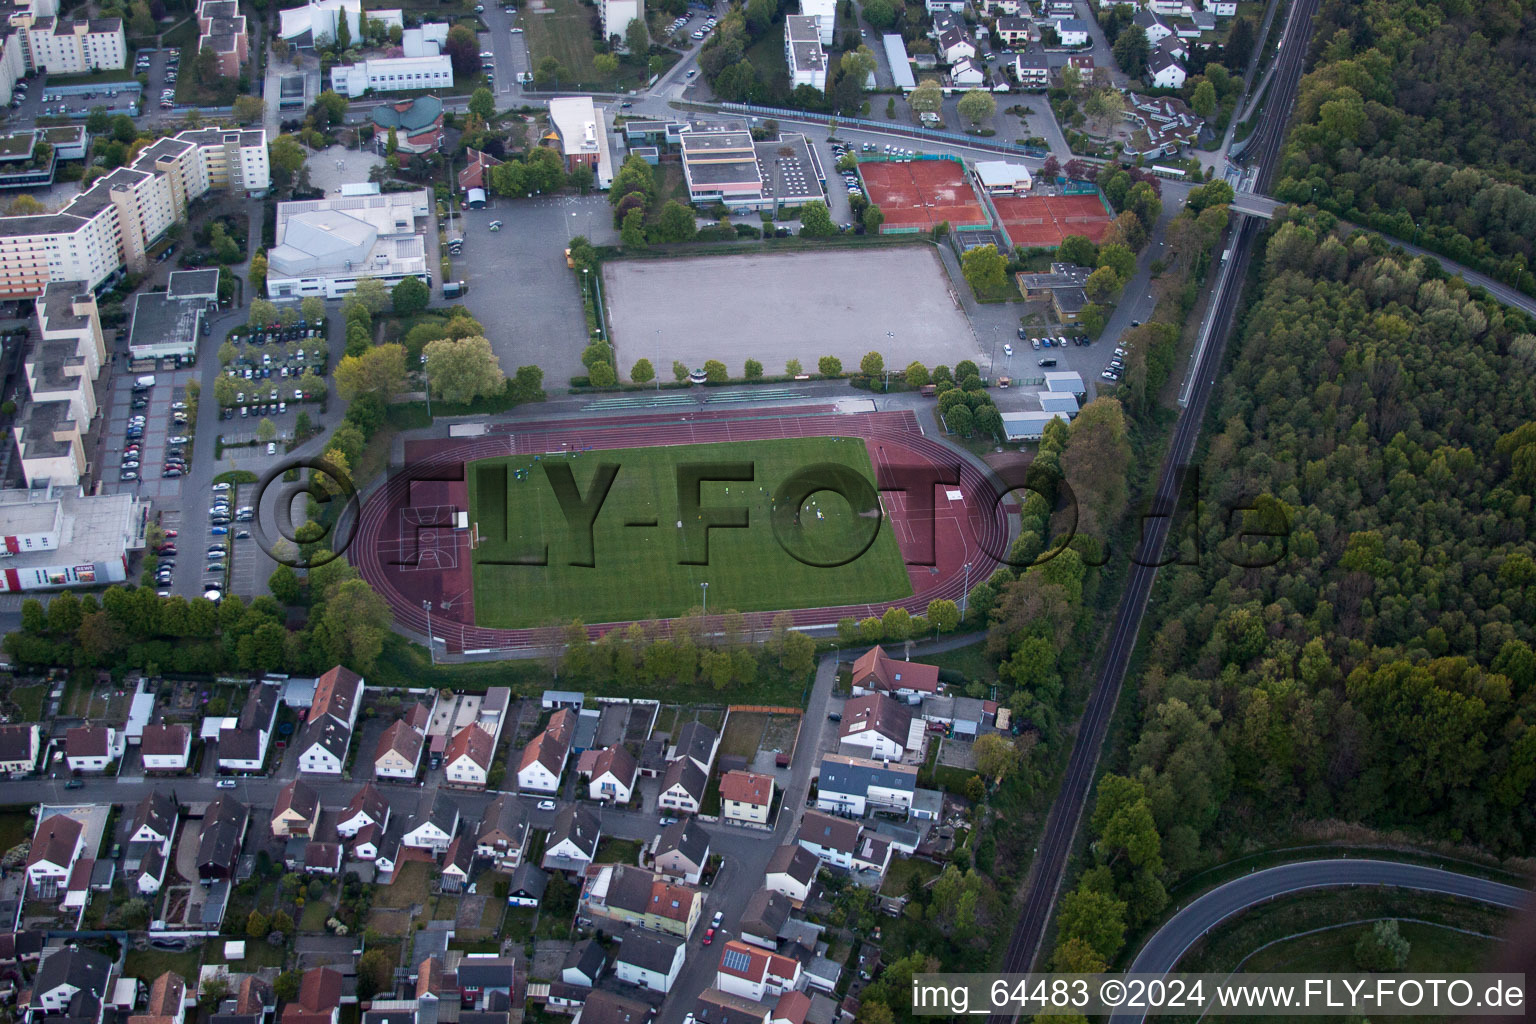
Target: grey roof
16, 743
192, 284
650, 951
82, 969
608, 1008
793, 860
328, 734
686, 837
485, 972
528, 879
629, 888
244, 741
444, 813
160, 319
859, 776
696, 740
586, 956
157, 810
504, 815
1160, 59
685, 771
40, 422
579, 825
223, 829
417, 114
765, 913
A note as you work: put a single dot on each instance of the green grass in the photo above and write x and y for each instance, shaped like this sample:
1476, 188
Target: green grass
639, 572
617, 851
151, 963
743, 732
564, 33
15, 828
1270, 940
970, 661
766, 54
316, 913
901, 871
29, 701
105, 75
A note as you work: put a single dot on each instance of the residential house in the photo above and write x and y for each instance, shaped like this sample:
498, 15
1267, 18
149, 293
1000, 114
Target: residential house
649, 960
457, 861
1164, 71
949, 6
954, 45
72, 983
544, 758
626, 894
1222, 8
746, 797
763, 918
754, 973
436, 829
966, 73
872, 852
856, 785
1155, 27
1169, 8
1072, 32
57, 845
151, 871
485, 978
573, 840
682, 787
221, 837
251, 1003
503, 833
682, 851
382, 847
322, 859
611, 775
167, 1001
154, 820
1033, 69
319, 999
19, 747
296, 812
327, 735
832, 840
607, 1008
468, 759
879, 727
1014, 31
792, 1008
367, 807
792, 871
398, 755
90, 748
697, 742
583, 964
715, 1006
877, 672
1001, 8
527, 885
166, 748
243, 741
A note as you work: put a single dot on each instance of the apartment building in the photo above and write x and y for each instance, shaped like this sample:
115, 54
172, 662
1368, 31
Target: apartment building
61, 367
802, 51
73, 47
113, 223
393, 74
222, 28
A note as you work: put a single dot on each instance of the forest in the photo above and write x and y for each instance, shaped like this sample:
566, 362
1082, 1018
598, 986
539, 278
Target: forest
1416, 120
1364, 653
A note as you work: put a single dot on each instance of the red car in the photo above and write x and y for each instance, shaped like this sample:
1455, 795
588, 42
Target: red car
170, 533
709, 936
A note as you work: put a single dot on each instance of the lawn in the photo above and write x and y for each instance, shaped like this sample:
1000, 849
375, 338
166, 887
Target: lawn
412, 885
564, 32
151, 963
29, 701
842, 555
902, 870
743, 732
316, 913
617, 851
970, 661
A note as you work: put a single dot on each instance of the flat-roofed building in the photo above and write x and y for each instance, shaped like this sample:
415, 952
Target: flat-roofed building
63, 47
393, 74
802, 51
580, 129
63, 538
325, 246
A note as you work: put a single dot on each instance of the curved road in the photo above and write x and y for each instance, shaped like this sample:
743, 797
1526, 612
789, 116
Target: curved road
1163, 951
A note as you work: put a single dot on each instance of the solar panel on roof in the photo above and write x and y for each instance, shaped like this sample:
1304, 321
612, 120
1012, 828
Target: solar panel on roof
736, 960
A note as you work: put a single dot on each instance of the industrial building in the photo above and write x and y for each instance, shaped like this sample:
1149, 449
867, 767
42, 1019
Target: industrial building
167, 325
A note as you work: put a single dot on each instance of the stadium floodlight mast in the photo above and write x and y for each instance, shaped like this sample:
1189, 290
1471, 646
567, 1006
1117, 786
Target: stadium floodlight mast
705, 613
431, 646
965, 591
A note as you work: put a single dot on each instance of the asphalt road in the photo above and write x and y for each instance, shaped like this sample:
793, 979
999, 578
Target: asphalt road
1162, 952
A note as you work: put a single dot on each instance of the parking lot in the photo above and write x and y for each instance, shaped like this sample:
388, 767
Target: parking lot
152, 436
276, 371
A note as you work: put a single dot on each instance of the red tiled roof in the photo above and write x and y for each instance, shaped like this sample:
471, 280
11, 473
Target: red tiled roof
874, 670
472, 742
747, 788
165, 740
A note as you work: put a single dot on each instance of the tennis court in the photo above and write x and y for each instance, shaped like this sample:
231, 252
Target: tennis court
1041, 222
922, 194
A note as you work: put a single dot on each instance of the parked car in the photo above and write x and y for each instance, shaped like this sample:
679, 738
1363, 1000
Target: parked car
225, 784
546, 805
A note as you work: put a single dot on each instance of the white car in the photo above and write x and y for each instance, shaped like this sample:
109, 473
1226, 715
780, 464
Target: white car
225, 784
546, 805
271, 447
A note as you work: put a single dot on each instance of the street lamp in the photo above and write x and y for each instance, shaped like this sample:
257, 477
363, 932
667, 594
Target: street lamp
656, 370
705, 588
966, 592
431, 647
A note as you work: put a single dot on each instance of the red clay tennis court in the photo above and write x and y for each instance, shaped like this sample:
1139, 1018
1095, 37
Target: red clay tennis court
1043, 221
922, 194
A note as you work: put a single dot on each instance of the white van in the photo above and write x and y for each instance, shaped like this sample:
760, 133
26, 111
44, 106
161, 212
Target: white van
145, 382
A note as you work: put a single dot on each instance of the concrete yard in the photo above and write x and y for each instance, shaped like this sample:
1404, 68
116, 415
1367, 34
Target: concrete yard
793, 305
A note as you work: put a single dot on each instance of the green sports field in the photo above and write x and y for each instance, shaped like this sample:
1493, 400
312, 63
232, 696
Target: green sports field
644, 571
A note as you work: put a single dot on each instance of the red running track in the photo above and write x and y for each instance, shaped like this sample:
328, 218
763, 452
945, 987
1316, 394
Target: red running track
974, 530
